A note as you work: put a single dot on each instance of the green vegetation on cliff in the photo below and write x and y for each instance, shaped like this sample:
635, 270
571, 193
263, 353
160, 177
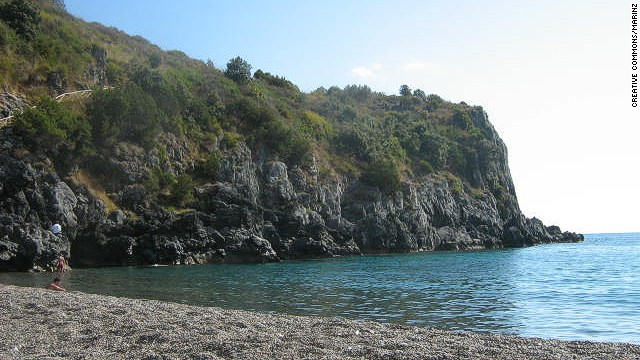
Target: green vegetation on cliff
142, 93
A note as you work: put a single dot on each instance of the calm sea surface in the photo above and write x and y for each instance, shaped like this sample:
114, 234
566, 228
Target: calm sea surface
585, 291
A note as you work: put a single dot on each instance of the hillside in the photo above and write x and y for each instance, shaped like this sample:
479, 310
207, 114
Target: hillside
173, 160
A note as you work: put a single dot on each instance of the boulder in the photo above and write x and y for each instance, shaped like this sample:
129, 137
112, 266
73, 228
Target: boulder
243, 247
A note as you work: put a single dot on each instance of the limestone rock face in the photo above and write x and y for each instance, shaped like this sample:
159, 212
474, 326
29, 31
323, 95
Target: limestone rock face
31, 200
9, 103
252, 210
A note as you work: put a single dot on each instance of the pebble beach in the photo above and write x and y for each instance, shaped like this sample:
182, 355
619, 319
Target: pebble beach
43, 324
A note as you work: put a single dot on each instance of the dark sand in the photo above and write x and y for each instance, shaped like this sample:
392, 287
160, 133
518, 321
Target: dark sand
43, 324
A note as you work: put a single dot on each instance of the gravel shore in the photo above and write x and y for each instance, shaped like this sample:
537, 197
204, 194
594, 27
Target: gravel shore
43, 324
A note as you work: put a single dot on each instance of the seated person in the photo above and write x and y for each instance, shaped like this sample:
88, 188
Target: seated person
55, 285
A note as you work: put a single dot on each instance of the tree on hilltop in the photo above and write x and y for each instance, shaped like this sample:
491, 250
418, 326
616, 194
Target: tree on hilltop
420, 94
238, 70
59, 3
405, 90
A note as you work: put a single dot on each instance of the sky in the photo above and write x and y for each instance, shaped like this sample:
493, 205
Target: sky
553, 76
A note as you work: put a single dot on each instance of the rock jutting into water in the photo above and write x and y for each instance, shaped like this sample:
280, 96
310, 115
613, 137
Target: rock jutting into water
37, 323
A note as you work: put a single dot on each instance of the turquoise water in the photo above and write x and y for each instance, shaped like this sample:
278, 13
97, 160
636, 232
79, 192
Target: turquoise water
584, 291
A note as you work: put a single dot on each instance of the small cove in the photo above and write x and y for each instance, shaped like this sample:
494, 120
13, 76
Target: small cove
583, 291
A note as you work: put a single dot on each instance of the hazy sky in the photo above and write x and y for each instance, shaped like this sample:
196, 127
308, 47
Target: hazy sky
554, 76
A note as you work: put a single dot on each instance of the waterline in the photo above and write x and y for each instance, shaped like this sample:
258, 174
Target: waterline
585, 291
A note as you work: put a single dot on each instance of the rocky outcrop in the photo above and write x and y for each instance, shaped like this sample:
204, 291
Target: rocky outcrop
9, 103
32, 199
252, 210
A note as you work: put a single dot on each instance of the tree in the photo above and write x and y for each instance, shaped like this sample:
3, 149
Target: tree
420, 94
358, 92
59, 3
434, 101
22, 16
238, 70
272, 79
405, 90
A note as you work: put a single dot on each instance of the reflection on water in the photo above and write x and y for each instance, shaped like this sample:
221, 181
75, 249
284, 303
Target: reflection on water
571, 291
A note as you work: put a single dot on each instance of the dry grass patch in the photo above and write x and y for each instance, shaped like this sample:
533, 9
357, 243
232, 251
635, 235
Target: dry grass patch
82, 178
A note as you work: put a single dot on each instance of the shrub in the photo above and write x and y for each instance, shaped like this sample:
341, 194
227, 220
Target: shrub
454, 183
155, 60
154, 83
352, 143
22, 16
461, 119
275, 135
315, 125
435, 148
273, 79
212, 164
202, 115
298, 151
126, 114
158, 180
50, 126
6, 35
115, 74
251, 113
182, 189
434, 101
425, 166
383, 174
476, 193
231, 139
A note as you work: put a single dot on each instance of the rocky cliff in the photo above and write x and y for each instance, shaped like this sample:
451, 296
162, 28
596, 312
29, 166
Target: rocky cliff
170, 160
253, 210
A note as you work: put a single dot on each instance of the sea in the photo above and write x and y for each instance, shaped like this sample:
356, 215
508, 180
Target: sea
573, 291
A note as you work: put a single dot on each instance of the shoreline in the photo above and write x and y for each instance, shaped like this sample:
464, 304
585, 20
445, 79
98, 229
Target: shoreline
39, 323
